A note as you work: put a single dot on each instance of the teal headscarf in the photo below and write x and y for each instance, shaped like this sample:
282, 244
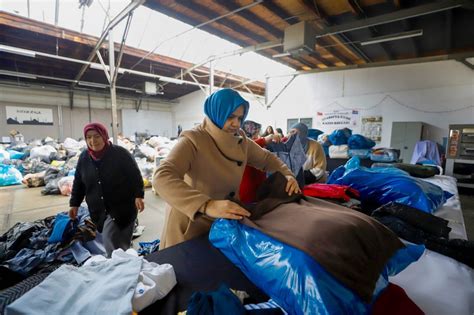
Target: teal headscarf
219, 105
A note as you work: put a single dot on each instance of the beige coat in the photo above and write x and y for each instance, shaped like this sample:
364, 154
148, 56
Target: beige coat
316, 160
206, 163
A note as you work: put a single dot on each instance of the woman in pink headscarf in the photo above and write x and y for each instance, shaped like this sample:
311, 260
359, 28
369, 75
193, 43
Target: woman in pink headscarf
110, 180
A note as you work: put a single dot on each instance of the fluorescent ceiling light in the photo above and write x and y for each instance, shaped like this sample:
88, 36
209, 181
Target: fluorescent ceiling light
98, 66
170, 80
154, 76
92, 84
17, 51
388, 38
285, 54
17, 74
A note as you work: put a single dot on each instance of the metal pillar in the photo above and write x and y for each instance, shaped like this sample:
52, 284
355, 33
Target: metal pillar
56, 13
211, 77
60, 123
113, 95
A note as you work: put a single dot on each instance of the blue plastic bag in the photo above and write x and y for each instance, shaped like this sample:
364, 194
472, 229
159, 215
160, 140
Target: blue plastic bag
146, 248
378, 186
15, 155
340, 136
9, 175
294, 280
360, 142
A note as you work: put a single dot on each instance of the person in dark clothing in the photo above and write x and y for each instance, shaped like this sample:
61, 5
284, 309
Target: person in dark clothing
110, 180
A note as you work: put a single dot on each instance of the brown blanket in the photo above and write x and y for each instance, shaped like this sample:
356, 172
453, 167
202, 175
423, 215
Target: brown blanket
351, 246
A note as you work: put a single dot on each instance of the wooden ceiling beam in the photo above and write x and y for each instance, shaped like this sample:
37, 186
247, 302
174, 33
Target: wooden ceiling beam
281, 13
253, 18
209, 14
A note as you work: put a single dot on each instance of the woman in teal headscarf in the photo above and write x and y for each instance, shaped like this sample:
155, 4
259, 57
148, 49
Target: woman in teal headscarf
205, 168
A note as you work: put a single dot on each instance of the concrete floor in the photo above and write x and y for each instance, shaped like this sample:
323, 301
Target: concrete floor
18, 203
21, 204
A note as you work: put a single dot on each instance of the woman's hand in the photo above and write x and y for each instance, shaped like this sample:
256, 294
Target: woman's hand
140, 204
73, 213
292, 186
225, 209
272, 138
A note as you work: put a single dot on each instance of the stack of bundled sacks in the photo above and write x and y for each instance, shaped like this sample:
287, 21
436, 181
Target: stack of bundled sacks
52, 164
39, 162
148, 152
342, 144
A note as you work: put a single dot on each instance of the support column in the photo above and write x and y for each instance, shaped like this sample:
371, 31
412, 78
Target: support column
113, 95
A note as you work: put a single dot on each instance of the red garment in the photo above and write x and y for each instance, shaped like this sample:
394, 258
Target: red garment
330, 191
251, 179
394, 301
102, 131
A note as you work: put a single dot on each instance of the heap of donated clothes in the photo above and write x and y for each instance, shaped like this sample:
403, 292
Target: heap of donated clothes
29, 247
98, 284
311, 256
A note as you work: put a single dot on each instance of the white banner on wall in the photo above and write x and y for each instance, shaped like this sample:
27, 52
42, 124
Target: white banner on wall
337, 119
29, 116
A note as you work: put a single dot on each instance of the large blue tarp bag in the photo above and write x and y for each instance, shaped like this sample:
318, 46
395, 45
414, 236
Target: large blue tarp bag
293, 279
360, 142
340, 136
378, 186
9, 175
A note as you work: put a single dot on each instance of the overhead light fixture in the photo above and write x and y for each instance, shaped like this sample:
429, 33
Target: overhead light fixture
285, 54
17, 51
17, 74
154, 76
92, 84
99, 66
388, 38
170, 80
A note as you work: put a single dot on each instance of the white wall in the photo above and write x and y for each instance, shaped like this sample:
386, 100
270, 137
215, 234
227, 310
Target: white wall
153, 115
151, 121
437, 93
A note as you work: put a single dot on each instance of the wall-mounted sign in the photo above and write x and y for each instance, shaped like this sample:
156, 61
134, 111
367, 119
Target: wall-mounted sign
337, 119
29, 116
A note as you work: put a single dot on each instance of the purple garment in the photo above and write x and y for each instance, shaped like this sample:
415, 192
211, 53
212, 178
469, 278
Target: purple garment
426, 150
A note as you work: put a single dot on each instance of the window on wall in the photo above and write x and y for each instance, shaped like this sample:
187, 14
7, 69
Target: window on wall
290, 122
